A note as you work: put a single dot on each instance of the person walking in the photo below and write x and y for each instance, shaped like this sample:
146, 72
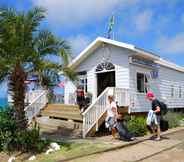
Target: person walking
111, 119
157, 110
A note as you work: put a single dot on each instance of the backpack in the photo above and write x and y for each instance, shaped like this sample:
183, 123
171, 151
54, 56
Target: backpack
163, 108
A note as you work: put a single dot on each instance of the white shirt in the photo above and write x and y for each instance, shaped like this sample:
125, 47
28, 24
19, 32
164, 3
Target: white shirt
110, 113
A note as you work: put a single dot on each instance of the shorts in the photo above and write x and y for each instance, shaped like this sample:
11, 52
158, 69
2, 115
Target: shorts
111, 122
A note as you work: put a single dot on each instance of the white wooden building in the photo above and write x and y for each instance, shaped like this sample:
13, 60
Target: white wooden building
131, 70
110, 66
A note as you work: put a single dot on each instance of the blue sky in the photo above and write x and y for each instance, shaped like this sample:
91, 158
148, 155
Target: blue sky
155, 25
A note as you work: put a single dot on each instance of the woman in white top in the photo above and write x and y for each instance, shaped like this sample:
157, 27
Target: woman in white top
111, 119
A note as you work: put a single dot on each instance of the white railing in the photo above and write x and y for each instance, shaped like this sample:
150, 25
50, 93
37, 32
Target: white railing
122, 96
29, 96
36, 105
95, 112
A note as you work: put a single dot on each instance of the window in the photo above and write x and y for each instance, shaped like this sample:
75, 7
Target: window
142, 82
172, 91
105, 66
180, 92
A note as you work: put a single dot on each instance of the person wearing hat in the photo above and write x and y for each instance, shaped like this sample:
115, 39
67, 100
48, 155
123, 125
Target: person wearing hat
157, 110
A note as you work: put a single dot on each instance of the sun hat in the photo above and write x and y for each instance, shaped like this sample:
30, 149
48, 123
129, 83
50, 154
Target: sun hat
150, 94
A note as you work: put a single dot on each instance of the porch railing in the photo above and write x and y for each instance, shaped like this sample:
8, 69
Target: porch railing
36, 105
122, 96
96, 110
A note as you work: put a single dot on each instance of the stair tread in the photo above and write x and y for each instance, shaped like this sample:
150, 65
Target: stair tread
65, 116
63, 106
61, 111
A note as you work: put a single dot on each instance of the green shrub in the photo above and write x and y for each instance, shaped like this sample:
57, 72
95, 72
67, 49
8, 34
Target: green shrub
8, 128
137, 126
173, 118
13, 139
29, 140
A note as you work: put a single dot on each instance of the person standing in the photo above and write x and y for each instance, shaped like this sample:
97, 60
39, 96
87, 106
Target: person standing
80, 97
111, 119
157, 110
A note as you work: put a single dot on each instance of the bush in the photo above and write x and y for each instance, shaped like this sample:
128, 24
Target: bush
29, 140
8, 128
13, 139
137, 126
173, 118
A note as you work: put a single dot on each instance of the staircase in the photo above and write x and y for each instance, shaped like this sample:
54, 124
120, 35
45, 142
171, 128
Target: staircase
66, 120
94, 116
61, 120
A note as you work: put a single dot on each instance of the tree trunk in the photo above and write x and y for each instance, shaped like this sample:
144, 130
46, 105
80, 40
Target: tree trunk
17, 90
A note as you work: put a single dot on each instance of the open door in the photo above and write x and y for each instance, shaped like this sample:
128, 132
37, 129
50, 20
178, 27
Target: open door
104, 80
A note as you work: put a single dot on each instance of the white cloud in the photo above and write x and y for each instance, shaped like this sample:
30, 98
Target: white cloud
174, 45
143, 20
78, 43
77, 13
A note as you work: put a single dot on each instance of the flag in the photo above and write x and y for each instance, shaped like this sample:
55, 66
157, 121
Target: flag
110, 27
61, 84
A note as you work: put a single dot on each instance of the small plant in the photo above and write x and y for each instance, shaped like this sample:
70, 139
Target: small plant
137, 126
14, 139
173, 118
8, 128
29, 140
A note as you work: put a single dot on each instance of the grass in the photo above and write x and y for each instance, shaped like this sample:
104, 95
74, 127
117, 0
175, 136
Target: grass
68, 150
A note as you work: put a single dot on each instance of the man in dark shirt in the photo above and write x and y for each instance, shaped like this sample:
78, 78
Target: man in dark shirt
156, 108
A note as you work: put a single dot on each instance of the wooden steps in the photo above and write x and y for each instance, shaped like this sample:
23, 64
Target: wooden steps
60, 120
61, 111
60, 128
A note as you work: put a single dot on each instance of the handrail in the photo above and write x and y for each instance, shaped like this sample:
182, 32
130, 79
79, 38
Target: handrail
36, 105
96, 100
35, 99
94, 112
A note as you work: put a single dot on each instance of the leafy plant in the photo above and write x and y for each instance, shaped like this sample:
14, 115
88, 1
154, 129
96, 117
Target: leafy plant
173, 118
8, 128
29, 140
137, 126
12, 138
23, 43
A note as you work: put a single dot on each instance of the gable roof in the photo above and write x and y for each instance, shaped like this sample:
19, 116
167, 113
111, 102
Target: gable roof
138, 51
100, 40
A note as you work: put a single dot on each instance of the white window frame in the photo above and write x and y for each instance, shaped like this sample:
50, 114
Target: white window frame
180, 92
172, 91
145, 87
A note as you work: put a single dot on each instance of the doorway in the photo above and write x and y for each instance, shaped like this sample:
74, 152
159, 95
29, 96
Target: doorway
104, 80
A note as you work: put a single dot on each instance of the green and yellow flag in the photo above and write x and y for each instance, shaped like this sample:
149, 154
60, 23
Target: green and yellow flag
110, 26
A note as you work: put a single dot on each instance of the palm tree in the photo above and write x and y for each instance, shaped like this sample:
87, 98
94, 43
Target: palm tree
23, 44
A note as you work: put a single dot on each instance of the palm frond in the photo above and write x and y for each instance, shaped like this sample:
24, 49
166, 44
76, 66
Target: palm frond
69, 73
4, 69
45, 43
34, 17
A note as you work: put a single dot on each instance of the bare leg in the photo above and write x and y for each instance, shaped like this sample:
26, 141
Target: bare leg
113, 132
158, 132
153, 130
